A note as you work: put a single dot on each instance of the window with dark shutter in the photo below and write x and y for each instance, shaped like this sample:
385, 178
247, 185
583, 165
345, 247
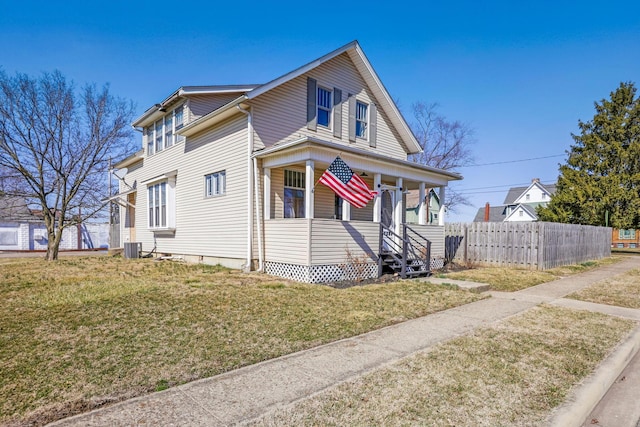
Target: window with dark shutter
312, 119
337, 112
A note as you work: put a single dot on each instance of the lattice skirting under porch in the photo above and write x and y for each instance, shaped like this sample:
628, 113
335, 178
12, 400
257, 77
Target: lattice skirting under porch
437, 263
322, 273
331, 272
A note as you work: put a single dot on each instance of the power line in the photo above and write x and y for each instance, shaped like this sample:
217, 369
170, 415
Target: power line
524, 184
513, 161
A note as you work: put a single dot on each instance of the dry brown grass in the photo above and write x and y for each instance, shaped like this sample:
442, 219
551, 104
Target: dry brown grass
512, 279
82, 332
511, 374
622, 291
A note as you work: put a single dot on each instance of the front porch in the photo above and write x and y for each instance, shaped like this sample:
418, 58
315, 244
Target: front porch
310, 234
316, 250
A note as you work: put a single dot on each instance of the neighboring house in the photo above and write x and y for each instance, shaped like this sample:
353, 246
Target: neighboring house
520, 204
629, 238
431, 210
23, 229
229, 175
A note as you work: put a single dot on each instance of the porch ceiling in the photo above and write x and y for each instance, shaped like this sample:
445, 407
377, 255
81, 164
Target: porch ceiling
324, 152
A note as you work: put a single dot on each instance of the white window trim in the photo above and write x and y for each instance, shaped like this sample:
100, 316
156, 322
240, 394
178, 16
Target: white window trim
329, 110
285, 186
152, 132
367, 120
170, 179
217, 175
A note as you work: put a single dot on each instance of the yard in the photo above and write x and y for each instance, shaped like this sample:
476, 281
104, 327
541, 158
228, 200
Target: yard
85, 332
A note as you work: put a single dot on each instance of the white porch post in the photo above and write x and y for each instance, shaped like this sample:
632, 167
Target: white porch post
308, 189
267, 193
398, 208
377, 201
422, 210
346, 211
442, 208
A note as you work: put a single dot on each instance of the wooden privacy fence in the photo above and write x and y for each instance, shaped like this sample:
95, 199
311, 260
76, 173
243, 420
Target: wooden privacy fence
533, 245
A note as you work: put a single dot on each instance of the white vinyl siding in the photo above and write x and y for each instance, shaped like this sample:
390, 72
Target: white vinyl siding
224, 232
288, 240
281, 113
435, 234
200, 105
330, 241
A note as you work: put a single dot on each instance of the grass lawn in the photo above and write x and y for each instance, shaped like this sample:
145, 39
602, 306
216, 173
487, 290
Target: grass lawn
82, 332
512, 279
511, 374
622, 291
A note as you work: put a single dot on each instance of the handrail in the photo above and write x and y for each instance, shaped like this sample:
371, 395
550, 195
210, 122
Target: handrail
410, 245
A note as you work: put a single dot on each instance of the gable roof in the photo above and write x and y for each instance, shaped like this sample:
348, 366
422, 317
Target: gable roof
516, 192
362, 64
15, 209
183, 91
530, 211
496, 214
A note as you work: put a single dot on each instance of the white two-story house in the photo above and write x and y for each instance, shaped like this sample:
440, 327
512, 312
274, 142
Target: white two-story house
229, 175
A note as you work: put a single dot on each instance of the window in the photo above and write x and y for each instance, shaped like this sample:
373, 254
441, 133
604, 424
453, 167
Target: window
528, 196
324, 107
337, 209
293, 194
361, 119
178, 122
158, 205
215, 184
627, 234
168, 131
162, 133
149, 137
520, 212
544, 196
159, 146
161, 203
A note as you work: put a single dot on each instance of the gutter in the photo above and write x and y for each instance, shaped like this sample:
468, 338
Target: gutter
252, 191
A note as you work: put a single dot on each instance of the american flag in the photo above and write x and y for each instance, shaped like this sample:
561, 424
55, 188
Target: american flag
340, 178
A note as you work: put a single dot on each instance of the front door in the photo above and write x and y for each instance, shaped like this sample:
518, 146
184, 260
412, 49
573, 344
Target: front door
387, 218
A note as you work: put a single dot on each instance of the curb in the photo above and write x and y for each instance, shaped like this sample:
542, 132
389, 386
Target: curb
579, 404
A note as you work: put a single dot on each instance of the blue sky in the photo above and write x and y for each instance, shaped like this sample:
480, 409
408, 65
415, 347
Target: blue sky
521, 74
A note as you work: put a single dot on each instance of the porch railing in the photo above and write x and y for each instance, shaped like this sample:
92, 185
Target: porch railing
408, 254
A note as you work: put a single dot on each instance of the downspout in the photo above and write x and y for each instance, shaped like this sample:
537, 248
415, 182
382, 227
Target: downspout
259, 217
251, 164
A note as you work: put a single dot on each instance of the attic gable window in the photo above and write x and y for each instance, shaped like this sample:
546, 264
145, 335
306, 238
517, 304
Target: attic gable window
324, 106
361, 119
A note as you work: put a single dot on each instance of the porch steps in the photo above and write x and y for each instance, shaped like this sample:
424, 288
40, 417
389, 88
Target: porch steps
414, 267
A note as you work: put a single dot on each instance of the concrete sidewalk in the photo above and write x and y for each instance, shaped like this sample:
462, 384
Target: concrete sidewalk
242, 395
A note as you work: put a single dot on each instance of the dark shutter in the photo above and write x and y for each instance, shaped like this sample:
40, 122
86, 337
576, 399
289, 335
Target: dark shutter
312, 93
352, 118
373, 125
337, 112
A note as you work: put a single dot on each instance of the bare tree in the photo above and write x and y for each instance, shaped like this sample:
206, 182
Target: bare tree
445, 144
56, 145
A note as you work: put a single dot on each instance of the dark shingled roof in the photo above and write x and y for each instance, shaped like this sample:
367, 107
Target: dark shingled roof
496, 214
15, 209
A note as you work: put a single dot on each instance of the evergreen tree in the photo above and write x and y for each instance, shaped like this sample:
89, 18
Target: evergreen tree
600, 183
